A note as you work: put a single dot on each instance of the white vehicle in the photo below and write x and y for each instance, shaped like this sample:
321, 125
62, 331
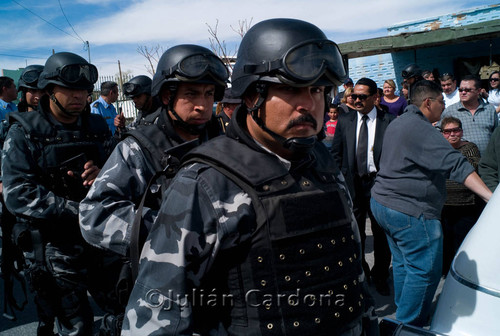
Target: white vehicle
470, 301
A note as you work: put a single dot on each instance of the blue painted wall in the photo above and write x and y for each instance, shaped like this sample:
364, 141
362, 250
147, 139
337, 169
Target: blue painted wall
389, 66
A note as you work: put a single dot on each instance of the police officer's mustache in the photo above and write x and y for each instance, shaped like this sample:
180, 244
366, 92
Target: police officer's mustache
305, 118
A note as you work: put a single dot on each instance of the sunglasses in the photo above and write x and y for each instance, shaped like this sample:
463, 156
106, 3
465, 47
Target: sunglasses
451, 130
465, 90
360, 96
494, 79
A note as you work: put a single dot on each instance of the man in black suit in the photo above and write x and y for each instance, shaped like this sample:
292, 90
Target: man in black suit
357, 146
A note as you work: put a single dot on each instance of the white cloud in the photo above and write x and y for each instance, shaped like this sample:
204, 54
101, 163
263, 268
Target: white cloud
115, 29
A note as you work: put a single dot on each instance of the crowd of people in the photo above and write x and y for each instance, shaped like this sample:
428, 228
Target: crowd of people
249, 220
419, 200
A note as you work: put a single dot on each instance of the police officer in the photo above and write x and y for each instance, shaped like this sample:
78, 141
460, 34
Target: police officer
50, 157
187, 80
139, 90
104, 105
12, 258
225, 108
8, 93
256, 235
27, 85
411, 74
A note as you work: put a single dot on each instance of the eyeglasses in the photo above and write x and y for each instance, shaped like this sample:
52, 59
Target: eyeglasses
494, 79
451, 130
195, 67
305, 63
360, 96
465, 90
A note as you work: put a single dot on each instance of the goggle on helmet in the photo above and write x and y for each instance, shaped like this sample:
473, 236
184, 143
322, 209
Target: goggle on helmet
305, 64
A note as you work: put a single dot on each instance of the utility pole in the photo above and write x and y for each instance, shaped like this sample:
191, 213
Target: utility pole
87, 44
121, 82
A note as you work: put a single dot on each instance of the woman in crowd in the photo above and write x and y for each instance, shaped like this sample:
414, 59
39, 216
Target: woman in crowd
494, 93
347, 103
395, 104
462, 207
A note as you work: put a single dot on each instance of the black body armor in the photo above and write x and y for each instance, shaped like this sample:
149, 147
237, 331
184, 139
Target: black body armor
300, 272
62, 149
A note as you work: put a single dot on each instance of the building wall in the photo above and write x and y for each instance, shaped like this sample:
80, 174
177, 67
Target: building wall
463, 18
389, 66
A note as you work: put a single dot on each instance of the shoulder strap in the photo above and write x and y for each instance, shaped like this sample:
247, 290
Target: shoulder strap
170, 167
152, 139
34, 123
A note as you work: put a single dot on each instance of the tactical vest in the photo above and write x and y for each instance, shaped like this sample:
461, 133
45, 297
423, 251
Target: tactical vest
299, 274
59, 150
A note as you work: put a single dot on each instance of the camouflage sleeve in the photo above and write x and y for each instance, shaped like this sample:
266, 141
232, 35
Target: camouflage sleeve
4, 127
108, 210
202, 213
24, 192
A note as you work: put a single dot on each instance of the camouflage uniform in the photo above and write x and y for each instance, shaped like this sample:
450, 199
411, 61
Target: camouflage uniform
59, 280
109, 209
206, 219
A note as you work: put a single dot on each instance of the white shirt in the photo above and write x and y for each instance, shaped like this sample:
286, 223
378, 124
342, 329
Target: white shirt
494, 98
452, 98
371, 123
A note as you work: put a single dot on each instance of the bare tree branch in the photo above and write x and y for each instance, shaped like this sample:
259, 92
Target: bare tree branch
220, 48
152, 55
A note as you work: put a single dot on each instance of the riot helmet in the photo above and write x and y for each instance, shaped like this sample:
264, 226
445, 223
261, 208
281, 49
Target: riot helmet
288, 51
410, 71
68, 70
137, 85
192, 64
29, 77
189, 63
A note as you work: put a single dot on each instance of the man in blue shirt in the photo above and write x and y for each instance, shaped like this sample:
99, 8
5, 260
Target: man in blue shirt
8, 93
104, 105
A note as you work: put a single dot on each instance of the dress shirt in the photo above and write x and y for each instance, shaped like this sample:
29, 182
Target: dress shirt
371, 123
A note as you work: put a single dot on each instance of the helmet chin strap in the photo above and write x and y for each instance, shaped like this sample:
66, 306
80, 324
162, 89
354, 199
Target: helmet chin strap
191, 129
300, 146
63, 110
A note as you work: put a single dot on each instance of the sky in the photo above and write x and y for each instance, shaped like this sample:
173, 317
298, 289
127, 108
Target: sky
33, 29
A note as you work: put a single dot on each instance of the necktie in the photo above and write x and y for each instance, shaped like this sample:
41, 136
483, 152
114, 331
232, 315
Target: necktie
362, 152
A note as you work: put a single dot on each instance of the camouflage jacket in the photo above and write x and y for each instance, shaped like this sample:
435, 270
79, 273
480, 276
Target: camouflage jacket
203, 215
108, 211
25, 190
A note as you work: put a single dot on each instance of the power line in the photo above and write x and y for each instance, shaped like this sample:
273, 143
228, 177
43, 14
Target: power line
29, 10
62, 10
20, 56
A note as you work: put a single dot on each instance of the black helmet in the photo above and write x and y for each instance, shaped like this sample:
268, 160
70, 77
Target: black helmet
410, 71
29, 77
137, 85
68, 70
289, 51
193, 64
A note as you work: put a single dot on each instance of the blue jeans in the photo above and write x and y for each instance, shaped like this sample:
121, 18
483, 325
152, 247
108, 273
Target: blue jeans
417, 259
